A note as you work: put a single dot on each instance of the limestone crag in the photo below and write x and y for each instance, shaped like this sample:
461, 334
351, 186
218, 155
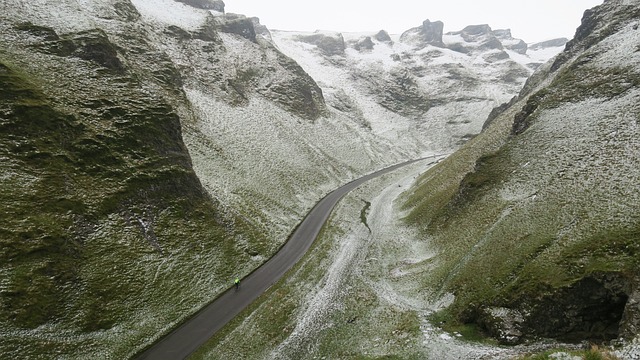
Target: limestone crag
430, 33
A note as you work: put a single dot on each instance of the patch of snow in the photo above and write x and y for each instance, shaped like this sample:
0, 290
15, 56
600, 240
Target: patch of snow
170, 12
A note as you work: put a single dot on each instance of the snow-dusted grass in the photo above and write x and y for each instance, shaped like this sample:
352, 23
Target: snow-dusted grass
169, 12
358, 293
508, 216
315, 294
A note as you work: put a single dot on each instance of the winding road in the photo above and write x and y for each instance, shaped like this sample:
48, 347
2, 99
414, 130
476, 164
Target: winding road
188, 337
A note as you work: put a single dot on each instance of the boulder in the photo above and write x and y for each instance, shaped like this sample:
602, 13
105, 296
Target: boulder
383, 36
237, 24
364, 44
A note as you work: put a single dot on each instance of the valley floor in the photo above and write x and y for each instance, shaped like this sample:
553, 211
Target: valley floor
357, 294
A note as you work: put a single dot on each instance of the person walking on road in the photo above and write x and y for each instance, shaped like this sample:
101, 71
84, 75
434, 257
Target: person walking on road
237, 283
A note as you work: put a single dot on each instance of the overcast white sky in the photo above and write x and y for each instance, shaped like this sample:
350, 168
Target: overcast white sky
532, 21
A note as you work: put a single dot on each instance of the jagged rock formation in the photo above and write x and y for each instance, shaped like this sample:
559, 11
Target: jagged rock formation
438, 82
237, 24
430, 33
329, 44
364, 44
516, 45
475, 38
538, 235
383, 36
260, 29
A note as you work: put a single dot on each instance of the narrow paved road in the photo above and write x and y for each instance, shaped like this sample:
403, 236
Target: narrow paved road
196, 331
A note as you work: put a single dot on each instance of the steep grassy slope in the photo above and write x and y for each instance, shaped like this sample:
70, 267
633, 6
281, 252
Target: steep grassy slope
108, 237
536, 220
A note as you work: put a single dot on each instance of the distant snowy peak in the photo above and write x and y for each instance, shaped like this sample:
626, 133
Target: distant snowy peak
472, 39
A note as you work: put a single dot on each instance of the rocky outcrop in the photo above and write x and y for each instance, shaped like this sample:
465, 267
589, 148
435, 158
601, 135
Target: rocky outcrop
476, 38
517, 45
504, 324
430, 33
237, 24
589, 309
383, 36
260, 29
329, 44
397, 91
630, 323
92, 45
298, 94
364, 44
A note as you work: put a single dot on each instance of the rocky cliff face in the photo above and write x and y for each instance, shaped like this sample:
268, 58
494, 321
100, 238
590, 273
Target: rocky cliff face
539, 235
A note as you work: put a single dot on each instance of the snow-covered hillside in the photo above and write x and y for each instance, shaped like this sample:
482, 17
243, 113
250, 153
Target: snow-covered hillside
435, 92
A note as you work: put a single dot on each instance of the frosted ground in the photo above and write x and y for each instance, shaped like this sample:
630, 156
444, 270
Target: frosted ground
357, 292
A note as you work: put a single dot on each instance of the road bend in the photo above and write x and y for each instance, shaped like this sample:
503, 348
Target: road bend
193, 333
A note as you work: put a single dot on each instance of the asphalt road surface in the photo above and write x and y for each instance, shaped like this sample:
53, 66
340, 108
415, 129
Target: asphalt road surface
187, 338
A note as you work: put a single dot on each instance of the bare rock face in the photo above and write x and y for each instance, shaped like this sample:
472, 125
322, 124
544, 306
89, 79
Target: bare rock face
509, 42
91, 45
299, 93
430, 33
630, 324
364, 44
259, 28
476, 38
597, 308
329, 44
237, 24
383, 36
502, 323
